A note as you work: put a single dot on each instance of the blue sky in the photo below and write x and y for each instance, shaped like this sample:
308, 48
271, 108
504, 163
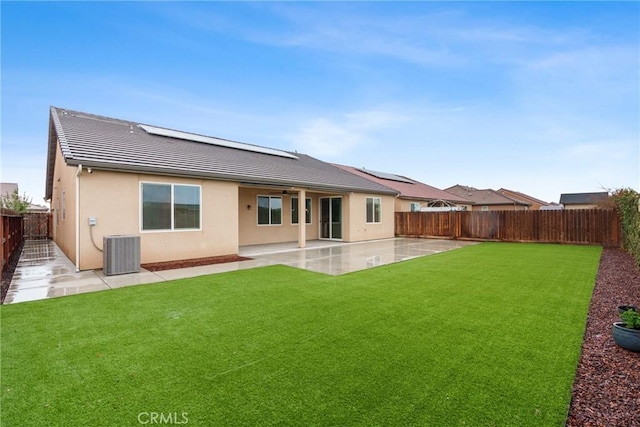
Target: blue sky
540, 97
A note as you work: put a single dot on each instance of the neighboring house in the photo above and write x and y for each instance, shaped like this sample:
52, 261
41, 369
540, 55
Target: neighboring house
583, 200
551, 207
414, 195
7, 189
192, 196
37, 208
488, 200
534, 204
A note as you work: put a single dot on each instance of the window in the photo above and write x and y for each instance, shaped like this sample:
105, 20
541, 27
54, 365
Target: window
484, 208
415, 207
64, 205
294, 210
170, 207
269, 210
373, 209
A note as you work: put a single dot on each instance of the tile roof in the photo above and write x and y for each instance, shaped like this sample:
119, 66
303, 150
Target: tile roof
484, 197
583, 198
521, 196
407, 187
113, 144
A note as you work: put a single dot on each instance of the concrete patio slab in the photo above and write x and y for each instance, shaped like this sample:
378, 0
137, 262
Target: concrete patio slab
44, 271
340, 258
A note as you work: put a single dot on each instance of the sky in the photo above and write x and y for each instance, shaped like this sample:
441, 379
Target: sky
537, 97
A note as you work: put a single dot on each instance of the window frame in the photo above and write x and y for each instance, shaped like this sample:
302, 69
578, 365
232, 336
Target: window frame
172, 228
64, 205
415, 207
308, 210
270, 224
373, 213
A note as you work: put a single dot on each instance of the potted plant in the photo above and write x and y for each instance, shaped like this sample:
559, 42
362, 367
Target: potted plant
623, 308
627, 333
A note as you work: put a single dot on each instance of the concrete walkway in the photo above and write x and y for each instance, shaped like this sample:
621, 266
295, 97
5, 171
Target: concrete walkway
43, 271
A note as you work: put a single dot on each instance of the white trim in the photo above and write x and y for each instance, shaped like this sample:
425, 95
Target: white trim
77, 209
64, 205
374, 210
172, 229
330, 218
305, 208
258, 210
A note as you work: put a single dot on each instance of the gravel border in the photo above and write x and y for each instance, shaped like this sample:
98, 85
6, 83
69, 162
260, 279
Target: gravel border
7, 274
606, 389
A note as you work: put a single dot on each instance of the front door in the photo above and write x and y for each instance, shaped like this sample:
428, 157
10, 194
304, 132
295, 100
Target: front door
331, 218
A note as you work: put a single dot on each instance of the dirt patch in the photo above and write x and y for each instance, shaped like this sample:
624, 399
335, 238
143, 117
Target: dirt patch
606, 391
7, 274
195, 262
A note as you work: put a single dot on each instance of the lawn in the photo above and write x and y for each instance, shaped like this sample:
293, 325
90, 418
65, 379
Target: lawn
485, 335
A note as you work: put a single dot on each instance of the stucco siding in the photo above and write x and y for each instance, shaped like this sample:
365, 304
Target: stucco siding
583, 206
250, 233
114, 200
63, 202
356, 227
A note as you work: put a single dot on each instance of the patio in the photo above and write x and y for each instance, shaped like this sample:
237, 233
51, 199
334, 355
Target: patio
43, 271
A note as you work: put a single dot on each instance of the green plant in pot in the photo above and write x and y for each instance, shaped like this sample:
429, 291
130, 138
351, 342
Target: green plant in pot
623, 308
627, 333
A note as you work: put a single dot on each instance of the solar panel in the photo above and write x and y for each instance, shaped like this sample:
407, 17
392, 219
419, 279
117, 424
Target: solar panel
387, 176
152, 130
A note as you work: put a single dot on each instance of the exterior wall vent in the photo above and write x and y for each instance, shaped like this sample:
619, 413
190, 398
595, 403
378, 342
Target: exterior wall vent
121, 254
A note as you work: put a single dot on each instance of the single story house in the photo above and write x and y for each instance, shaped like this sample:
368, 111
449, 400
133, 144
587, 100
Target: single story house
535, 204
193, 196
414, 196
584, 200
488, 199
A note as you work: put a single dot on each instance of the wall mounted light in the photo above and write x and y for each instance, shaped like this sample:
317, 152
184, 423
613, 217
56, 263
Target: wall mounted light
248, 207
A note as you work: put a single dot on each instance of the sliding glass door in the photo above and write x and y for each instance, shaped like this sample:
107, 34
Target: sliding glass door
331, 218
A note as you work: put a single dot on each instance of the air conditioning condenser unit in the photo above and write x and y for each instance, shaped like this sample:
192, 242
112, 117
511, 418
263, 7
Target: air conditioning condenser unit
121, 254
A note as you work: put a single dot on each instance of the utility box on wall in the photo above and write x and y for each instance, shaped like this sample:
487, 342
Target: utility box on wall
121, 254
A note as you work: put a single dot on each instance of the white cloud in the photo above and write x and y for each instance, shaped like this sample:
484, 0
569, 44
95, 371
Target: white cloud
332, 138
324, 138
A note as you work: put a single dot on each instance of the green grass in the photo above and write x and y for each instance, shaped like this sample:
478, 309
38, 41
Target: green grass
485, 335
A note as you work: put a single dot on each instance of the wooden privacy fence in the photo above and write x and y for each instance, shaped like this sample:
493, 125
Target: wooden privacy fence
11, 230
584, 226
37, 225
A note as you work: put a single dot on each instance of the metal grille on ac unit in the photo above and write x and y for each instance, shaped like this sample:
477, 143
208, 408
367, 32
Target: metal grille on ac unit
121, 254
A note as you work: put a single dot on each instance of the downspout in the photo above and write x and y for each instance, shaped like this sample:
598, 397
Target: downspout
78, 173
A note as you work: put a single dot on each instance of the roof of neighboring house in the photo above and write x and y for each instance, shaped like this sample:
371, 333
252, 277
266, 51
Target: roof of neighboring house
7, 188
484, 197
583, 198
37, 208
119, 145
521, 196
407, 187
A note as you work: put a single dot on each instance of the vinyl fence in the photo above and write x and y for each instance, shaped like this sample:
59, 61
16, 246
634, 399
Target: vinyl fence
581, 226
